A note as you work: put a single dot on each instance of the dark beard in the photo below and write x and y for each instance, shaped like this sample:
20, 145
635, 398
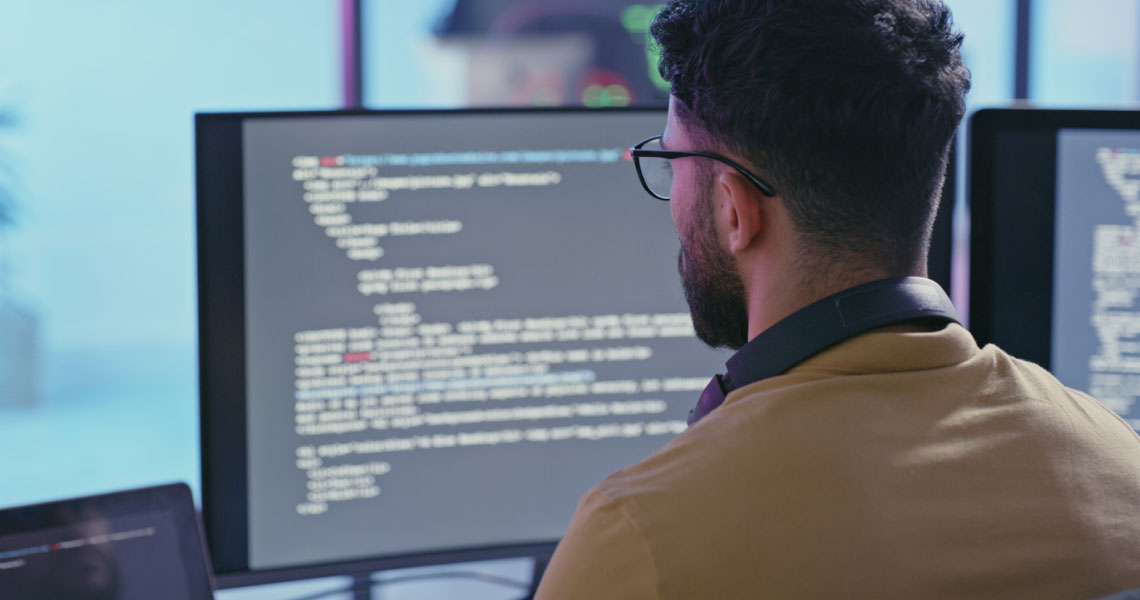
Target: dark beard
713, 289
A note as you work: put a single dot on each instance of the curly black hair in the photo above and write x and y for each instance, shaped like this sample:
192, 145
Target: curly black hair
847, 106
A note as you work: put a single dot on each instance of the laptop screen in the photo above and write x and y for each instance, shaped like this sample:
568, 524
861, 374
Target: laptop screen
129, 545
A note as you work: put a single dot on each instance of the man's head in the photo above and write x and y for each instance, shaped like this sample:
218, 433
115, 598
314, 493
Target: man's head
846, 107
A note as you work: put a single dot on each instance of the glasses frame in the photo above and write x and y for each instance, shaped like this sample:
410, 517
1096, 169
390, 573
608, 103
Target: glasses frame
636, 152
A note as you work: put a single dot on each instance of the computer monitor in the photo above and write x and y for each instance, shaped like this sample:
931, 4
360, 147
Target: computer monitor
1055, 244
424, 335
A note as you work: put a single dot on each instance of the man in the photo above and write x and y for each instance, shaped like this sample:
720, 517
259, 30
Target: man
860, 444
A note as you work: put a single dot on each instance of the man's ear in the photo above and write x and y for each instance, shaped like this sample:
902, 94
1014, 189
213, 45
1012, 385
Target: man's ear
741, 210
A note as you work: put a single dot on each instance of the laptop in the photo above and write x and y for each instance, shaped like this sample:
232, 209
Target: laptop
144, 543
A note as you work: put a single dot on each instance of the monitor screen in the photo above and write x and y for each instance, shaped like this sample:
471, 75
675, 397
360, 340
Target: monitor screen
1055, 253
427, 333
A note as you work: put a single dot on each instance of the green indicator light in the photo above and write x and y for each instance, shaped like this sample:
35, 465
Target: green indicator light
596, 95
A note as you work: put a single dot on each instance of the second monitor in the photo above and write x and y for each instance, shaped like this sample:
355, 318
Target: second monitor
1055, 251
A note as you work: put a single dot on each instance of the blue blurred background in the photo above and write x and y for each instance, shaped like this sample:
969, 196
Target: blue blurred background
98, 365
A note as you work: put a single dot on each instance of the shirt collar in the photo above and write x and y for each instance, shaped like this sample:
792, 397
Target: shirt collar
834, 319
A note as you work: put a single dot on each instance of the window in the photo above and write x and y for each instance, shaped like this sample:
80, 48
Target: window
1082, 56
98, 377
988, 49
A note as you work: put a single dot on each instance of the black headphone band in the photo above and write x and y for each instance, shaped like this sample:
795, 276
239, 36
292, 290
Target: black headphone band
824, 324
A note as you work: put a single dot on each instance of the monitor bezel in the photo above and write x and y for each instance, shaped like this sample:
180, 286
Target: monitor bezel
222, 354
985, 127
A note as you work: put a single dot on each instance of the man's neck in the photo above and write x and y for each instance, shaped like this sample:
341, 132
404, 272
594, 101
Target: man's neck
770, 303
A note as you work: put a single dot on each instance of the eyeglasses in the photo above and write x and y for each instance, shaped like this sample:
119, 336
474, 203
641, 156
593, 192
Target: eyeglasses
656, 173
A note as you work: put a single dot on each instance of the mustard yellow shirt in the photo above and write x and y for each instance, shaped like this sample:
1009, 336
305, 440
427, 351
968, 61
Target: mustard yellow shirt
895, 465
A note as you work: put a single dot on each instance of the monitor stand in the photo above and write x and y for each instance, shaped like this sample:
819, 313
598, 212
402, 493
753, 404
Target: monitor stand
367, 586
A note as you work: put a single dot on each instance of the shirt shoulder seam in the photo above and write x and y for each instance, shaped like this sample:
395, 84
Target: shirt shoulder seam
637, 532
